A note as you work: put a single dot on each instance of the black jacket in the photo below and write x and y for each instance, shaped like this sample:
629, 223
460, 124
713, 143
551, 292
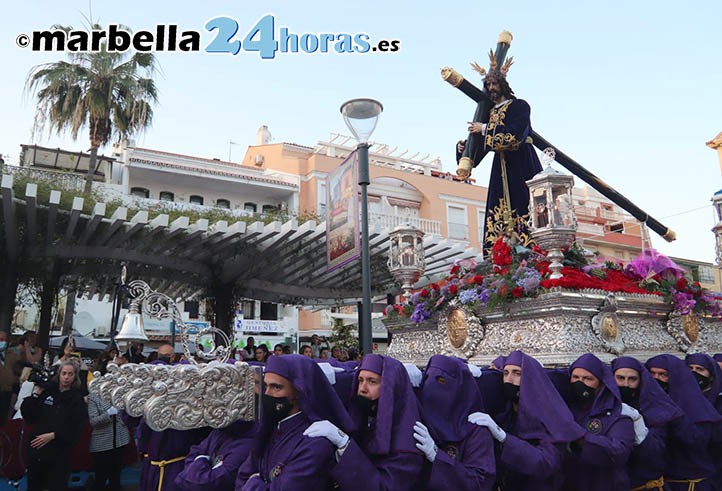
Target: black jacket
63, 413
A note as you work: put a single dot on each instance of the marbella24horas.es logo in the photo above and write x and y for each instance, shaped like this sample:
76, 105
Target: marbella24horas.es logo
222, 36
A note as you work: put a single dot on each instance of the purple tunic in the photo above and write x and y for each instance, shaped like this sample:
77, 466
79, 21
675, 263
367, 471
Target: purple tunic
465, 456
598, 462
163, 454
647, 461
383, 454
689, 449
213, 464
538, 429
289, 460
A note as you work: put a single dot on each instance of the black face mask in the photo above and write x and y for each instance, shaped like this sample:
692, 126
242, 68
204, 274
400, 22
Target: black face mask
582, 393
164, 359
366, 405
629, 395
275, 408
511, 392
704, 382
664, 385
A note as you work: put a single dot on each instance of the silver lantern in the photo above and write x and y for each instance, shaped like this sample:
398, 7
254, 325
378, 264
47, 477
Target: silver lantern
406, 255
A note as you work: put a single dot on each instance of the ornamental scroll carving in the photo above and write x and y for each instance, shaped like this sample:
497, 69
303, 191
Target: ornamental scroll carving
607, 328
181, 397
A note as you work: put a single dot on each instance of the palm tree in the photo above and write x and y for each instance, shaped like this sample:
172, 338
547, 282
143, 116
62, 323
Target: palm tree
109, 92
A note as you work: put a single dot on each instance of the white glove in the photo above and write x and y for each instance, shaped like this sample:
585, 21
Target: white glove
415, 374
630, 412
483, 419
204, 457
329, 431
112, 411
475, 371
425, 442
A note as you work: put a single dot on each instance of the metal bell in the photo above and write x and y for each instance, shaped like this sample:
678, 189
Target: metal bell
132, 327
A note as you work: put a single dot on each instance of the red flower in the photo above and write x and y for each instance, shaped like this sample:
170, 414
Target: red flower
517, 292
453, 289
503, 290
435, 287
478, 279
455, 269
681, 284
424, 293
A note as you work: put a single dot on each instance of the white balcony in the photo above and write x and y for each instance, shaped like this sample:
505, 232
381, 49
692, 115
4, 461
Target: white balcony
390, 222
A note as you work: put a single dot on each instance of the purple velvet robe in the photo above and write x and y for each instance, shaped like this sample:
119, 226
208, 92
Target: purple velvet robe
159, 446
221, 455
468, 465
289, 460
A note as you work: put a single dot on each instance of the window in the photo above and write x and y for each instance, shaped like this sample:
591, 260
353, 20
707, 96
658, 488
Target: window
267, 209
620, 254
269, 311
223, 203
617, 228
167, 196
457, 222
140, 192
250, 207
192, 308
706, 274
195, 199
248, 309
321, 208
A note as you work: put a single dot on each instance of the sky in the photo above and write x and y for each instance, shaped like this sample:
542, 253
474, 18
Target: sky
631, 90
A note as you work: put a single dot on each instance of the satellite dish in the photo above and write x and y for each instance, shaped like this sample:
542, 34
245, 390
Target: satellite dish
84, 323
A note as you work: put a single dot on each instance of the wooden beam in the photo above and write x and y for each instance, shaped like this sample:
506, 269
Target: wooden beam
31, 212
11, 228
92, 224
75, 211
54, 202
117, 219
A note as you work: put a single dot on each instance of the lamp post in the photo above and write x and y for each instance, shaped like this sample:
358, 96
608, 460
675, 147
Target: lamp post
361, 116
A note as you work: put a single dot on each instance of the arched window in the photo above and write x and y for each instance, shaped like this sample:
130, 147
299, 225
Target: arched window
195, 199
140, 192
223, 203
167, 196
250, 207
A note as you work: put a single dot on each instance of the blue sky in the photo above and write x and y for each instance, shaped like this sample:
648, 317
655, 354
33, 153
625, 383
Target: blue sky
629, 89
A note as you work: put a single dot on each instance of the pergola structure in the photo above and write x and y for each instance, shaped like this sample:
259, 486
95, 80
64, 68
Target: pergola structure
275, 262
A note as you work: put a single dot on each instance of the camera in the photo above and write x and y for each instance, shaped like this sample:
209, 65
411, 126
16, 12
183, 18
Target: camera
41, 375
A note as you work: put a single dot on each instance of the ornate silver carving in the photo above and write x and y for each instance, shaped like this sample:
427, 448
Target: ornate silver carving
607, 328
555, 328
181, 397
453, 343
686, 330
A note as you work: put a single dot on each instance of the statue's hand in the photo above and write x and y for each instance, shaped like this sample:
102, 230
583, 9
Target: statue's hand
478, 68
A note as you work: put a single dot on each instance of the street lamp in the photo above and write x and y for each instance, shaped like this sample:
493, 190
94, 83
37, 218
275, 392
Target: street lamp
361, 116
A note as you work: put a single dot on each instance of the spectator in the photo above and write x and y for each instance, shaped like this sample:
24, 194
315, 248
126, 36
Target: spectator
249, 350
31, 352
306, 351
9, 376
318, 343
135, 353
336, 353
58, 414
278, 350
261, 354
286, 349
108, 442
324, 354
26, 388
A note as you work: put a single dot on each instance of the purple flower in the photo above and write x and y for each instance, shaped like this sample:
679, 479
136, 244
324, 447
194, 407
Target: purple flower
484, 296
415, 298
468, 296
420, 314
683, 302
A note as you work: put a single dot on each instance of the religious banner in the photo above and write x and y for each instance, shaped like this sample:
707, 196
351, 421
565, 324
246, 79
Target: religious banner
342, 216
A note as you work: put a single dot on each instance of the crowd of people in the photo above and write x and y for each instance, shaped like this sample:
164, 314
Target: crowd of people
376, 423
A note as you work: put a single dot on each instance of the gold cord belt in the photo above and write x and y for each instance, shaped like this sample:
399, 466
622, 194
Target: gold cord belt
657, 484
162, 464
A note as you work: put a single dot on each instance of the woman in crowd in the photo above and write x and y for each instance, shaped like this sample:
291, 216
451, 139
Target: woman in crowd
57, 415
108, 442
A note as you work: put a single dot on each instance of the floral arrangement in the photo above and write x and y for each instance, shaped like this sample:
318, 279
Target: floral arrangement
517, 272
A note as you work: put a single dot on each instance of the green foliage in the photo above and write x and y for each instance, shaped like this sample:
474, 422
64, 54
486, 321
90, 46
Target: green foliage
342, 337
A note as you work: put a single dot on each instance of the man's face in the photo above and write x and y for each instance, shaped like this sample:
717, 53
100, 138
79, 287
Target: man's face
586, 377
512, 374
166, 350
659, 374
277, 386
369, 385
493, 89
627, 377
699, 369
315, 340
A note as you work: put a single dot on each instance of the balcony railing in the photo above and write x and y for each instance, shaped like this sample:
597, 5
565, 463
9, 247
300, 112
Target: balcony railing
390, 222
62, 179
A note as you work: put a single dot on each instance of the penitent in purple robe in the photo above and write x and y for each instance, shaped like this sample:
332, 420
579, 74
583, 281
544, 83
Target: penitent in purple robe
689, 456
383, 455
163, 454
465, 455
537, 432
647, 462
289, 460
213, 464
598, 462
283, 458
